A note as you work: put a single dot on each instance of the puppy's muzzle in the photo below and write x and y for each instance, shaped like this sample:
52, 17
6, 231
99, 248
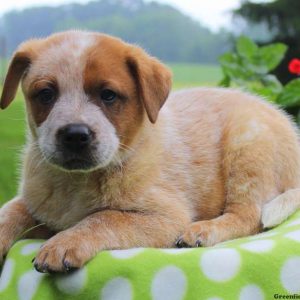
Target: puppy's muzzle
75, 138
76, 145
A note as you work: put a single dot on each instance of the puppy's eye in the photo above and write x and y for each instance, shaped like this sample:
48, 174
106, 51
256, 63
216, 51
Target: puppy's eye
46, 96
108, 96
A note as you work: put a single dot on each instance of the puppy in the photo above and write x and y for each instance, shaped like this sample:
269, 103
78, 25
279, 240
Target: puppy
102, 171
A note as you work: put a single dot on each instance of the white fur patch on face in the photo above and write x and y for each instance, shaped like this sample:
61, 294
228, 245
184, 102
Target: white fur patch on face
65, 61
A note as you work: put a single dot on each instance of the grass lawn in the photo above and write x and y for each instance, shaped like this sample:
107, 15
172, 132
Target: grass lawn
12, 123
191, 75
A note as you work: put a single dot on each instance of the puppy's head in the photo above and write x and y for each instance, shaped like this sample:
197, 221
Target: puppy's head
87, 96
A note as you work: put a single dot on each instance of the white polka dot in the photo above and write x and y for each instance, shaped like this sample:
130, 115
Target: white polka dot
169, 284
72, 283
294, 235
6, 274
124, 254
220, 264
117, 289
293, 223
28, 284
251, 292
30, 248
290, 275
176, 251
259, 246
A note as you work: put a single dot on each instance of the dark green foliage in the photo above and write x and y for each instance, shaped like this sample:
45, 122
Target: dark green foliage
249, 67
283, 19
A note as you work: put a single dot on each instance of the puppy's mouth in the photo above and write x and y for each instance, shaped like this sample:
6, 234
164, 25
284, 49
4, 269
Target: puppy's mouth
72, 162
87, 160
77, 164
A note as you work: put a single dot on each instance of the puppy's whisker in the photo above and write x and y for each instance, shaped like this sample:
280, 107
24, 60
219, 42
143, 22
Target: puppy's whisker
119, 162
22, 235
126, 147
43, 159
39, 164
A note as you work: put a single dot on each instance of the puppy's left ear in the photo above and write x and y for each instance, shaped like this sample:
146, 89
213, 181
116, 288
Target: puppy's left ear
20, 62
16, 69
153, 81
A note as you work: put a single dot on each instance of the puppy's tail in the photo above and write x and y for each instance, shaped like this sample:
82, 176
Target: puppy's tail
280, 208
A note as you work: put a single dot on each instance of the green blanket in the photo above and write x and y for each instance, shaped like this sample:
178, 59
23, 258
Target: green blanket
258, 267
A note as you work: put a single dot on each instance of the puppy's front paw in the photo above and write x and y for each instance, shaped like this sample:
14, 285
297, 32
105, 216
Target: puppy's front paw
62, 253
198, 234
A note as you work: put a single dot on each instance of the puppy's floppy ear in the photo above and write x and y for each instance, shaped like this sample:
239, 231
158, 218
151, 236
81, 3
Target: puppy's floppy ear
153, 81
20, 62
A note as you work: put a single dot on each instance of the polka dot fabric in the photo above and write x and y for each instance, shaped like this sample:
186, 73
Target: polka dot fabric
256, 267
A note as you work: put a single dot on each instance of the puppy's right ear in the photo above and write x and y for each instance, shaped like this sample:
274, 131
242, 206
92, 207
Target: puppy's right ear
152, 78
18, 65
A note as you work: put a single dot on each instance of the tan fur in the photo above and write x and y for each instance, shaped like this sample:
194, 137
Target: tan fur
206, 170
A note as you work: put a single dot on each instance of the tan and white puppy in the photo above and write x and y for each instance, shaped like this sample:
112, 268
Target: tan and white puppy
102, 171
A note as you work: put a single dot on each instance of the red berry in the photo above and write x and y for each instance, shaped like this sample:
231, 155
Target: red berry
294, 66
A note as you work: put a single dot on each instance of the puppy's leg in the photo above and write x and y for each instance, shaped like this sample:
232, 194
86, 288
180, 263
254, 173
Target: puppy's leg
280, 208
107, 229
14, 221
238, 220
250, 181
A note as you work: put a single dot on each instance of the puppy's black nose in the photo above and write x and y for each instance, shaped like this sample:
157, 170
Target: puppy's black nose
75, 137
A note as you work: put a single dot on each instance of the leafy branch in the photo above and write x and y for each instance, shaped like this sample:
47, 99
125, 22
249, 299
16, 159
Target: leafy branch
249, 66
